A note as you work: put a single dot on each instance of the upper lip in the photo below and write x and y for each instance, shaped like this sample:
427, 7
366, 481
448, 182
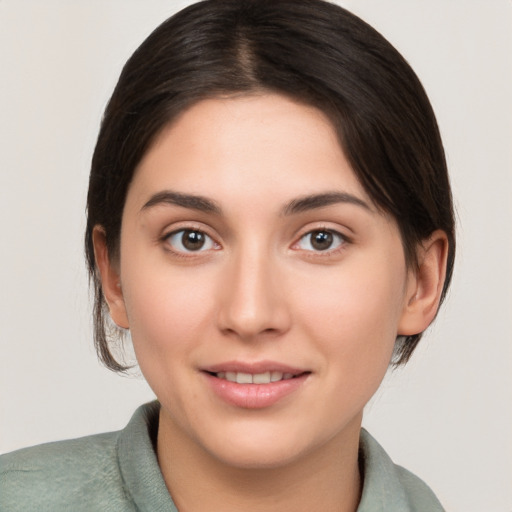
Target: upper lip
253, 367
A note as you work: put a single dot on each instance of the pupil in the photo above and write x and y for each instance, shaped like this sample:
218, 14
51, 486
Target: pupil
192, 240
321, 240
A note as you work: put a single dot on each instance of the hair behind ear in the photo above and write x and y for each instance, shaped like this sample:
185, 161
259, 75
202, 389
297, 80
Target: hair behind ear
425, 290
108, 325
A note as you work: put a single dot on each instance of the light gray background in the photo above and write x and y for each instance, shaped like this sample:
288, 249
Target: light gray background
447, 416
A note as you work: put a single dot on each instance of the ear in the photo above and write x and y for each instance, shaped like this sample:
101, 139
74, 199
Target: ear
110, 279
425, 285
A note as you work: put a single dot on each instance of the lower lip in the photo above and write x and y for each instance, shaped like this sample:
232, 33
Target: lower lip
255, 396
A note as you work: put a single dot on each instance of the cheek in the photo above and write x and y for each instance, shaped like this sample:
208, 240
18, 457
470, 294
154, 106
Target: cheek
356, 304
167, 310
354, 319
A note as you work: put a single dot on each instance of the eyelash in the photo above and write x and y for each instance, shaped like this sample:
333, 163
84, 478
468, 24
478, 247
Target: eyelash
335, 237
179, 234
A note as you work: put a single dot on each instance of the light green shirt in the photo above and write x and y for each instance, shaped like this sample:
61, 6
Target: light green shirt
119, 472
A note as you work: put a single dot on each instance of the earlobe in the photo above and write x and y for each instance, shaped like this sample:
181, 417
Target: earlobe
110, 279
425, 285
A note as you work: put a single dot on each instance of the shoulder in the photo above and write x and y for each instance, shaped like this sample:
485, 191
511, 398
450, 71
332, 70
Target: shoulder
388, 486
66, 475
113, 472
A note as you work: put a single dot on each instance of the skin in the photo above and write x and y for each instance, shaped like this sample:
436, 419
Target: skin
259, 290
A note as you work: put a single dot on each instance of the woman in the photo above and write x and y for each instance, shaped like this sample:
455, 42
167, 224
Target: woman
270, 216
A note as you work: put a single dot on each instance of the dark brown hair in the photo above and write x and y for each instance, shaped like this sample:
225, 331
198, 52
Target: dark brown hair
310, 50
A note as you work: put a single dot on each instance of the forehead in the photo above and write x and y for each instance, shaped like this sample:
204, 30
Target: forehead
265, 144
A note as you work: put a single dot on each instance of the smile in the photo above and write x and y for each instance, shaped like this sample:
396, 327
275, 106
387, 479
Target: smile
256, 378
254, 385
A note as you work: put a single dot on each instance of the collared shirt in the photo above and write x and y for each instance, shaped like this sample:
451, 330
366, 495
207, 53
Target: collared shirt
119, 472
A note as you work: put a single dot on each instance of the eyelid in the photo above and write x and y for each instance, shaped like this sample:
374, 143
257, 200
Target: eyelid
344, 240
187, 226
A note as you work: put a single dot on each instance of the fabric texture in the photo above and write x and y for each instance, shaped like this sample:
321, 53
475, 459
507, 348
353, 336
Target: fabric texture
119, 472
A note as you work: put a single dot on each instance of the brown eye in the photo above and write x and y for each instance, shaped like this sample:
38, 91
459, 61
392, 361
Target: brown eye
190, 240
321, 240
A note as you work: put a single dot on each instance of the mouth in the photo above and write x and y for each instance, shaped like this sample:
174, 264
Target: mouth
255, 385
255, 378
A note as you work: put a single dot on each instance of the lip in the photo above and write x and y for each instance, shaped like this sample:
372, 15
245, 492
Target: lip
253, 367
254, 396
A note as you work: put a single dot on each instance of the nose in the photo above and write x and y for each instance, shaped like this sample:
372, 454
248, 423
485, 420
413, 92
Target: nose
252, 298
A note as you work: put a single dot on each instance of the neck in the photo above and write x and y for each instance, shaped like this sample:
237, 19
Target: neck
326, 479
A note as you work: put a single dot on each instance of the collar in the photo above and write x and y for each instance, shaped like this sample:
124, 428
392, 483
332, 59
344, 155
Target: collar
386, 486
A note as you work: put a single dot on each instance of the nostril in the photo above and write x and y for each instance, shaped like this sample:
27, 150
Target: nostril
250, 307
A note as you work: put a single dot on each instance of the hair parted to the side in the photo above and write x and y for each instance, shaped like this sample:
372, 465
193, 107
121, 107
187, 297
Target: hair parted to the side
312, 51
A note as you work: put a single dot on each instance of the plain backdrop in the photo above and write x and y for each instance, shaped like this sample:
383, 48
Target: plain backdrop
447, 416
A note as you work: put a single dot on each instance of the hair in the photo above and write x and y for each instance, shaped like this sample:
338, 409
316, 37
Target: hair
311, 51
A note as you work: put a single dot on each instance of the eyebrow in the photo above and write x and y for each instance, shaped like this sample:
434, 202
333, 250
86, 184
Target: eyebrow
314, 201
299, 205
191, 201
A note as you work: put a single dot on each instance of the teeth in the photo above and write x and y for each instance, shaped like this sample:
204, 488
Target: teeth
256, 378
244, 378
261, 378
275, 376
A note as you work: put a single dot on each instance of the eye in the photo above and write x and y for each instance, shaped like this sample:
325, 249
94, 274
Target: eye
190, 240
321, 240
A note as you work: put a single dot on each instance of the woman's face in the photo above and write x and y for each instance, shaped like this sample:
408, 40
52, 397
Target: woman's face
251, 253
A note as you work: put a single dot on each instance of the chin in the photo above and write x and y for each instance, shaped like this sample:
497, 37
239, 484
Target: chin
257, 457
264, 448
